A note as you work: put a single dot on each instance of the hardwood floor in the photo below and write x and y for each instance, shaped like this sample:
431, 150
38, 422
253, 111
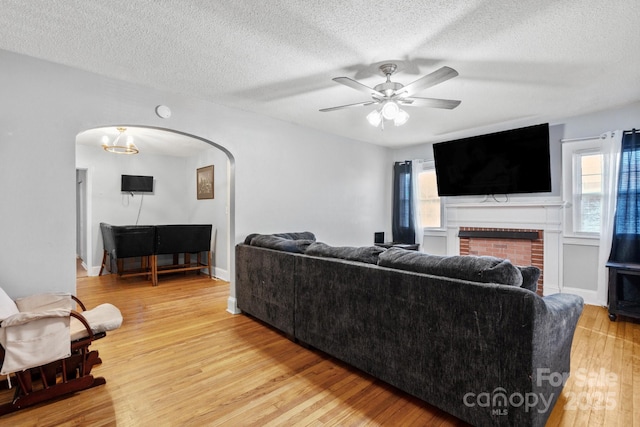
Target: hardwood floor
80, 270
181, 359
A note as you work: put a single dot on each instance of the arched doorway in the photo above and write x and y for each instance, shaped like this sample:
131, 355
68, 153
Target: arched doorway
161, 142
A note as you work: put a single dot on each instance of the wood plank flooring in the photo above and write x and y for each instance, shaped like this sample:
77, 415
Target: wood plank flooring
181, 360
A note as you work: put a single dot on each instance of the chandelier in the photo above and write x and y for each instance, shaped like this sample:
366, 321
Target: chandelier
121, 144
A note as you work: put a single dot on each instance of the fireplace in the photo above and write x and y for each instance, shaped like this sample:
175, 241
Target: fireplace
521, 246
540, 220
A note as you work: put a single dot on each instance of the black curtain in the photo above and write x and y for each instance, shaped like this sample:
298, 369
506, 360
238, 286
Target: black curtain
402, 226
626, 230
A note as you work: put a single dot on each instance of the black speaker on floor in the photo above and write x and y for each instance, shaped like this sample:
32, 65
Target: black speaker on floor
378, 237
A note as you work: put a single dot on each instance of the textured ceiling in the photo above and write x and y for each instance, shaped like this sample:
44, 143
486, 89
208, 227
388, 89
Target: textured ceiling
520, 62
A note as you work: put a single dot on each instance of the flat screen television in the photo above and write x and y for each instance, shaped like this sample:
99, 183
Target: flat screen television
513, 161
137, 184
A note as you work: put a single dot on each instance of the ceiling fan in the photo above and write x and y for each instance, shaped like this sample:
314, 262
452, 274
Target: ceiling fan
391, 95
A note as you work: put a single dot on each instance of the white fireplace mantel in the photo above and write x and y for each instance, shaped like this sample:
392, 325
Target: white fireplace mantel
545, 215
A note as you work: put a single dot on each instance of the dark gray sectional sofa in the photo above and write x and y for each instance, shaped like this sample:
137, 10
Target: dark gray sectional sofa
488, 353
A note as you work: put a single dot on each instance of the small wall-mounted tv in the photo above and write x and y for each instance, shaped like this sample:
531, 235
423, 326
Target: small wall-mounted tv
137, 184
513, 161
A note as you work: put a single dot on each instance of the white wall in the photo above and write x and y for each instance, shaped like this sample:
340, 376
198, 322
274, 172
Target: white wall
338, 191
594, 124
163, 206
81, 215
286, 177
211, 211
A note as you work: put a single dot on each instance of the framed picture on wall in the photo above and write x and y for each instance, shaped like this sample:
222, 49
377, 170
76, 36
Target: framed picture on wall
204, 182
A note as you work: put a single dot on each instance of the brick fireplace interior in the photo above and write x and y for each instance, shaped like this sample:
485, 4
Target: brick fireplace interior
521, 247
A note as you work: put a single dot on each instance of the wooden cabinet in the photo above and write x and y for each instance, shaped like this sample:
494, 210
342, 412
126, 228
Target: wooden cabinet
624, 290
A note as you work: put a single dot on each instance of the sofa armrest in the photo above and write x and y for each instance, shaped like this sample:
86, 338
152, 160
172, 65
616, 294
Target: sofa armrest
555, 324
563, 309
102, 318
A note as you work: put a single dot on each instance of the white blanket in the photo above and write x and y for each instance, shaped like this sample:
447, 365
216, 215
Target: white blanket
42, 302
34, 338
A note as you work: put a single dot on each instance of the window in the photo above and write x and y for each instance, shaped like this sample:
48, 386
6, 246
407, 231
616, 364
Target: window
587, 191
428, 199
583, 178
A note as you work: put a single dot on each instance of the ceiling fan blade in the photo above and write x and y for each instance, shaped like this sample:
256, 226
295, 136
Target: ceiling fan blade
358, 104
358, 86
432, 79
448, 104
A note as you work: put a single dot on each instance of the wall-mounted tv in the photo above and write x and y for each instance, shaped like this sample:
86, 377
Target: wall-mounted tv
513, 161
137, 184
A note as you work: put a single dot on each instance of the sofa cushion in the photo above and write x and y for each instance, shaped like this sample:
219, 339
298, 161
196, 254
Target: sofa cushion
249, 238
474, 268
280, 243
299, 235
368, 254
302, 235
530, 276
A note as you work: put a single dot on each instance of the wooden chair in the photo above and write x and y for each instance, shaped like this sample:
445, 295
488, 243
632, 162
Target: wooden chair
46, 368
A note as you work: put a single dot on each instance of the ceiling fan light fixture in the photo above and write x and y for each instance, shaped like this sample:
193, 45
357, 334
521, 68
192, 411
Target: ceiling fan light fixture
389, 95
401, 118
117, 146
390, 110
374, 118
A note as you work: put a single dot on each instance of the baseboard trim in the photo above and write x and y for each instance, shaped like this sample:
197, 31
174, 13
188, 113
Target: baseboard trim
590, 297
232, 306
221, 273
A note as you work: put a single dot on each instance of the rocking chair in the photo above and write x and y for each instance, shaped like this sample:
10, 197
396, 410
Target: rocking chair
45, 346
